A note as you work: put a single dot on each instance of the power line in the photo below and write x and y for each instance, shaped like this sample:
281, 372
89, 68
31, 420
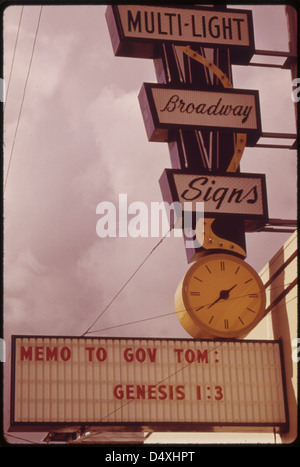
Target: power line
170, 314
23, 97
14, 54
132, 322
127, 282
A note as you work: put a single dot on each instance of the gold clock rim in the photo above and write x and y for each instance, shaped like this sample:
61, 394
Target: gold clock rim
201, 326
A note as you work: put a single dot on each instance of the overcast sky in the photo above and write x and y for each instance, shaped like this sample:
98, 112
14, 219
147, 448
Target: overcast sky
81, 140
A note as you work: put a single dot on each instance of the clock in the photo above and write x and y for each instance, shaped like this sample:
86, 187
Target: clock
220, 296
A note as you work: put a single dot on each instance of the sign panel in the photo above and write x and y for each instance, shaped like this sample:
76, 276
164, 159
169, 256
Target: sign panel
146, 382
135, 30
165, 107
242, 195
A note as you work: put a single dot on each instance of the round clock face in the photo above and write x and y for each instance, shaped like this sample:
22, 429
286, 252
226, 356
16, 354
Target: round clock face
223, 297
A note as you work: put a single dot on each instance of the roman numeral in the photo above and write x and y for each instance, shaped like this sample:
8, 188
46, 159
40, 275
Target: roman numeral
195, 294
222, 266
226, 324
198, 279
253, 295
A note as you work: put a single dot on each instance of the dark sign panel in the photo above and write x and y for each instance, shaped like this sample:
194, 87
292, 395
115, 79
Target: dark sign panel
166, 107
240, 195
135, 30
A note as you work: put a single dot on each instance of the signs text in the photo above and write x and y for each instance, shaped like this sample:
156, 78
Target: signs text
134, 28
166, 107
243, 195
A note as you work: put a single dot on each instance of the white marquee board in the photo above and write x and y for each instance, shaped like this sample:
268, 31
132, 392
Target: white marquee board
75, 380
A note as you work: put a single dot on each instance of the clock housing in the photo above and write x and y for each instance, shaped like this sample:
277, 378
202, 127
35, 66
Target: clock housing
221, 296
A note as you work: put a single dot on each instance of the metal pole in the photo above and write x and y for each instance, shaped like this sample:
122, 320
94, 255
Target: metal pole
291, 15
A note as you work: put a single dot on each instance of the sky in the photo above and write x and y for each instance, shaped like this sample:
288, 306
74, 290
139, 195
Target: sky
81, 141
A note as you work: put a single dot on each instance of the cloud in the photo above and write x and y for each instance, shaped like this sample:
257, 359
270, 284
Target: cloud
28, 266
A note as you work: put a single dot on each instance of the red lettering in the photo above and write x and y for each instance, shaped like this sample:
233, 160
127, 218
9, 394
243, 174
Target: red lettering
65, 353
202, 356
141, 392
180, 392
130, 391
218, 393
190, 356
118, 391
140, 355
26, 354
162, 391
51, 354
128, 355
101, 354
39, 353
90, 353
152, 391
178, 353
152, 355
45, 353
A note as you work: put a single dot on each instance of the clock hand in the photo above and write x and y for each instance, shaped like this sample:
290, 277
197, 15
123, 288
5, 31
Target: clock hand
224, 294
229, 290
216, 301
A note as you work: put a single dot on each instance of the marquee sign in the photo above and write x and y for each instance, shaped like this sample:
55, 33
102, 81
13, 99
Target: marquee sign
165, 107
136, 30
100, 381
242, 195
